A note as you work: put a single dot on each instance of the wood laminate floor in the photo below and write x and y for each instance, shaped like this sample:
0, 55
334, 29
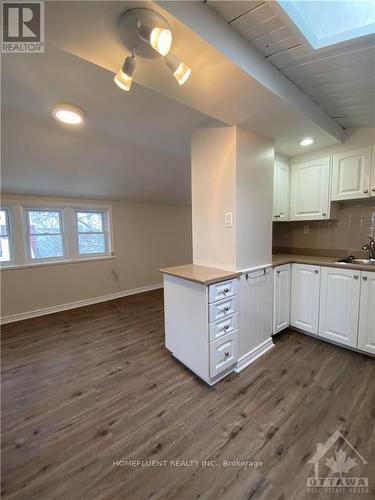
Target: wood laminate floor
84, 389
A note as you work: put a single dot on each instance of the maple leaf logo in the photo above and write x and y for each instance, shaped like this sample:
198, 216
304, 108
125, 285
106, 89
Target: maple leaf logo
341, 464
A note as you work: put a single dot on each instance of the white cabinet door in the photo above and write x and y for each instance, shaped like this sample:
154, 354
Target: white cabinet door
304, 312
281, 191
339, 305
281, 298
366, 335
310, 190
373, 173
351, 174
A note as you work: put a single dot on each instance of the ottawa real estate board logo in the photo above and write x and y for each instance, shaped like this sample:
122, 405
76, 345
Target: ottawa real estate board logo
22, 27
338, 468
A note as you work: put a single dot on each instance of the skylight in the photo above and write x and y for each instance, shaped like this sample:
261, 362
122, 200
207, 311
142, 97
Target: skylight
326, 22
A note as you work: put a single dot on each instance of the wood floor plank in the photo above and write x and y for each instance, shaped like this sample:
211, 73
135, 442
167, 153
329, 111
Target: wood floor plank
83, 389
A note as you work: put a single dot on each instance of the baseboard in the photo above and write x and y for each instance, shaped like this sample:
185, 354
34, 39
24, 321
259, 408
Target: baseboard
254, 354
79, 303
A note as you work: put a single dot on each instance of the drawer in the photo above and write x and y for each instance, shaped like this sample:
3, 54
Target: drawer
223, 353
219, 291
222, 309
223, 326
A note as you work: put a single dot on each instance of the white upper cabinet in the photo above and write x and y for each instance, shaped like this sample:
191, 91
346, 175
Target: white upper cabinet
281, 191
310, 190
339, 305
304, 312
366, 335
351, 174
373, 173
281, 298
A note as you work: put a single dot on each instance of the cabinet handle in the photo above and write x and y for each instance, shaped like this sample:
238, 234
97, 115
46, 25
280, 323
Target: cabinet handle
373, 189
278, 271
324, 214
364, 278
365, 191
226, 354
226, 309
355, 276
276, 216
226, 290
316, 271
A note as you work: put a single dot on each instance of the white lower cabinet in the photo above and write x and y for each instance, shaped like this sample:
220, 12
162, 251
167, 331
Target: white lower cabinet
281, 298
339, 305
304, 310
366, 333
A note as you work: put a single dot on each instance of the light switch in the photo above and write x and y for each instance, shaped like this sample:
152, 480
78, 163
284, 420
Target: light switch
228, 219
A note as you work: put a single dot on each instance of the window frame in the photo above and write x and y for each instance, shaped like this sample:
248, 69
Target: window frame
8, 217
27, 234
106, 232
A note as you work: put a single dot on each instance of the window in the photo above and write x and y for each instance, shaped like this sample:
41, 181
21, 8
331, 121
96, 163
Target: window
45, 235
5, 237
91, 229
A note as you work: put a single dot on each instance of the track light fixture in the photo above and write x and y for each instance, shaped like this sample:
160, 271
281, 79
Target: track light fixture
179, 69
147, 33
124, 76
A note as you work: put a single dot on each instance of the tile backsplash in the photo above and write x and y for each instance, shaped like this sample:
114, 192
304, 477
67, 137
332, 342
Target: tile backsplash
353, 222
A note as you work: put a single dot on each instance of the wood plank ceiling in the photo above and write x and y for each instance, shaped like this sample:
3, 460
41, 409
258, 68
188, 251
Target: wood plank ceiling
340, 80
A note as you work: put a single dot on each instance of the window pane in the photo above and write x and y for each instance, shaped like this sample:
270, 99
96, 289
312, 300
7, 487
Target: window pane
46, 246
3, 223
4, 249
91, 243
44, 221
90, 222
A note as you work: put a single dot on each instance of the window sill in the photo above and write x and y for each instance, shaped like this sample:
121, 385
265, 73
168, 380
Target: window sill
56, 262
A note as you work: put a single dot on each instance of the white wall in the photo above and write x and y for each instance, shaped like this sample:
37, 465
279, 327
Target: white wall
254, 194
232, 171
213, 177
146, 237
354, 138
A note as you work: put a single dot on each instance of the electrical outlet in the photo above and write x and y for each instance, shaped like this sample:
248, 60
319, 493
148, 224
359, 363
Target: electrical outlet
228, 219
306, 229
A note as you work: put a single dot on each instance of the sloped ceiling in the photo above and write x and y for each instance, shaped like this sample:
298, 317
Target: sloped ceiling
133, 146
341, 80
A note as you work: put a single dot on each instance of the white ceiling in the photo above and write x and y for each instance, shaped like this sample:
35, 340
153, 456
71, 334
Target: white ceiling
341, 80
133, 146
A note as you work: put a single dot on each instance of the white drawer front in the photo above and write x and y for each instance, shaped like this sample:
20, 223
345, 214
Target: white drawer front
219, 291
223, 326
222, 309
223, 353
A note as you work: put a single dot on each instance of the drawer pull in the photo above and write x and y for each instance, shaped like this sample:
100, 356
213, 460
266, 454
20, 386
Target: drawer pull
365, 191
355, 276
226, 354
226, 290
226, 309
226, 327
316, 271
278, 271
364, 278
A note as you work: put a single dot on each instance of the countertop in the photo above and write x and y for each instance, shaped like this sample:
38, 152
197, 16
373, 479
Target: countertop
200, 274
208, 275
315, 260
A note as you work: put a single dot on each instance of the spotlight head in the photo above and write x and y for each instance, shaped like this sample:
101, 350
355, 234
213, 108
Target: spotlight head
124, 76
180, 70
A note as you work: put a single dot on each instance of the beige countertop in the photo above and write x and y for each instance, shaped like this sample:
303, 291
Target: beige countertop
315, 260
208, 275
200, 274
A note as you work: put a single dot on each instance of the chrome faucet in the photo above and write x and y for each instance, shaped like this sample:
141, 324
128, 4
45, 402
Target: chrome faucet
370, 248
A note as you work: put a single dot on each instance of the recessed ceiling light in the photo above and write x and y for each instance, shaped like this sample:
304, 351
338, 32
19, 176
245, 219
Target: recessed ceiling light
68, 114
307, 141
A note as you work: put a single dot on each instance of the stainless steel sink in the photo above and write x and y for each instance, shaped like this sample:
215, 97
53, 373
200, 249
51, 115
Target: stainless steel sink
361, 262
